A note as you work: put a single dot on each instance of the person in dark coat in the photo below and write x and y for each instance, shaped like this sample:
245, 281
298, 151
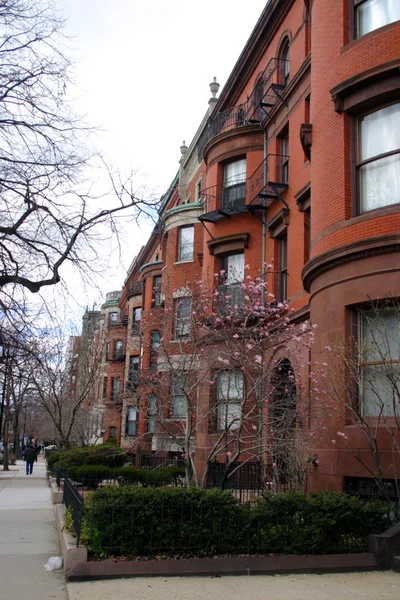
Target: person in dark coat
30, 457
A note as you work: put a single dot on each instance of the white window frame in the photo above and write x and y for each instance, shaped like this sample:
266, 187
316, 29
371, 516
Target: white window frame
185, 248
230, 402
379, 362
381, 13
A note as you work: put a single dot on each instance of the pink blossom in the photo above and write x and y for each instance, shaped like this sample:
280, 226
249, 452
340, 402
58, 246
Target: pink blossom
258, 359
333, 441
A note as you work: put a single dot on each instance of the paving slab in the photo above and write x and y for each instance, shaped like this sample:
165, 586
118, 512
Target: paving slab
350, 586
28, 537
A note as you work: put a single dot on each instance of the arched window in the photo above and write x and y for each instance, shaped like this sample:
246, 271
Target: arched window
284, 62
258, 95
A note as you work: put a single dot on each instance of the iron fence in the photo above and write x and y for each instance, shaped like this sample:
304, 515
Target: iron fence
158, 462
72, 499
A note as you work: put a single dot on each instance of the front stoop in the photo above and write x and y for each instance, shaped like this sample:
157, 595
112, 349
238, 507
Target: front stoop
250, 565
73, 555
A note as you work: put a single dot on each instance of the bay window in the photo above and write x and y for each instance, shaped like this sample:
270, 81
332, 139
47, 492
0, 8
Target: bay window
379, 158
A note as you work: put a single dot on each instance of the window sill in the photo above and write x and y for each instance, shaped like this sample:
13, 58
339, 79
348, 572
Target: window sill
184, 262
180, 341
374, 213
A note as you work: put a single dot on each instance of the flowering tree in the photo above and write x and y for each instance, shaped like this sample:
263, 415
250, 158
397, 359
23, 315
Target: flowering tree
224, 383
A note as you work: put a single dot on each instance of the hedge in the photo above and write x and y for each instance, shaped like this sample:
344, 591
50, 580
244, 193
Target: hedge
91, 476
133, 520
103, 454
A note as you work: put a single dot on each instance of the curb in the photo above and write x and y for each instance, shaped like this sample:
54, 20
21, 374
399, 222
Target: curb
73, 556
217, 567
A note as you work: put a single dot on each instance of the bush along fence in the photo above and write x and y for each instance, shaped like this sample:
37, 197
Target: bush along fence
180, 522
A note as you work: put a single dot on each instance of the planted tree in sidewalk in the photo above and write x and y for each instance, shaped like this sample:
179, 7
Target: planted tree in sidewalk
364, 388
226, 369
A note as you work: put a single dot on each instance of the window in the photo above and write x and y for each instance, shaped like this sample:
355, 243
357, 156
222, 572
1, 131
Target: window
380, 361
185, 243
154, 348
115, 389
372, 14
151, 414
283, 266
133, 372
198, 190
179, 404
233, 265
131, 421
157, 290
379, 158
136, 318
104, 387
307, 234
258, 95
284, 62
113, 317
234, 187
112, 433
118, 349
73, 379
229, 399
284, 158
107, 352
182, 317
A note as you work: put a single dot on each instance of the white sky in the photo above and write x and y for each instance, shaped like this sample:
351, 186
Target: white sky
143, 74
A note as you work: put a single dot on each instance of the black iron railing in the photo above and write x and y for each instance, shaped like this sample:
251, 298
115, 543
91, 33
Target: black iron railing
72, 499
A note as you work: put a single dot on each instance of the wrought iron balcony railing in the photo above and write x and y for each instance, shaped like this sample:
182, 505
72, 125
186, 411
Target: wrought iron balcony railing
258, 106
257, 192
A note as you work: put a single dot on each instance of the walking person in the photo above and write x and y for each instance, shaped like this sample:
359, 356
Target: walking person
29, 457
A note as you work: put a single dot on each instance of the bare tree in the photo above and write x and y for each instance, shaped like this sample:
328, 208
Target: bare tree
365, 389
49, 215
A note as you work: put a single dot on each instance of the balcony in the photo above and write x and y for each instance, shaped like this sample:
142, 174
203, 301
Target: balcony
256, 193
258, 107
135, 289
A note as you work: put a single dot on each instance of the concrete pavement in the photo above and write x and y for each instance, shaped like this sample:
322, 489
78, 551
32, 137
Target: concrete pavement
28, 536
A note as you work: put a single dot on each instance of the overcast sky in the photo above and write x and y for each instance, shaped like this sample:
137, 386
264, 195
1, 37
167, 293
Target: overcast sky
143, 74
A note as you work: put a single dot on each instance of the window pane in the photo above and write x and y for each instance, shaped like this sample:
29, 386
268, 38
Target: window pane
182, 317
381, 389
380, 183
186, 240
151, 412
235, 172
376, 13
179, 407
380, 335
230, 385
380, 131
229, 415
113, 317
234, 267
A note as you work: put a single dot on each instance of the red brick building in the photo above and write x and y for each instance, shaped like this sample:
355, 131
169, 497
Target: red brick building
295, 164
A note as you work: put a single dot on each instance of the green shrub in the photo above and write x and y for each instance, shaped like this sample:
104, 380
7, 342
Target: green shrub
89, 476
325, 522
144, 477
103, 454
52, 459
138, 520
133, 520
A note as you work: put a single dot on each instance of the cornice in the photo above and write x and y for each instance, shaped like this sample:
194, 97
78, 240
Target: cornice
385, 244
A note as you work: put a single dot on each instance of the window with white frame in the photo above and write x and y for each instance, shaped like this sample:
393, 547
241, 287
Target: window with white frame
233, 265
234, 186
113, 317
379, 158
131, 421
115, 389
151, 414
179, 401
185, 243
379, 346
373, 14
118, 349
183, 307
136, 319
229, 399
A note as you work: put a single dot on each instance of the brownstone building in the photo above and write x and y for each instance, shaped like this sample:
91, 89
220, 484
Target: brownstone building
295, 164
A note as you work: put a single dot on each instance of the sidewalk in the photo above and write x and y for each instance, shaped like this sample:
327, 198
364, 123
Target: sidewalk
28, 536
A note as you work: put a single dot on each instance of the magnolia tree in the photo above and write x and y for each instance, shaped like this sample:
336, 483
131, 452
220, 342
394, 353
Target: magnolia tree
225, 384
365, 389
